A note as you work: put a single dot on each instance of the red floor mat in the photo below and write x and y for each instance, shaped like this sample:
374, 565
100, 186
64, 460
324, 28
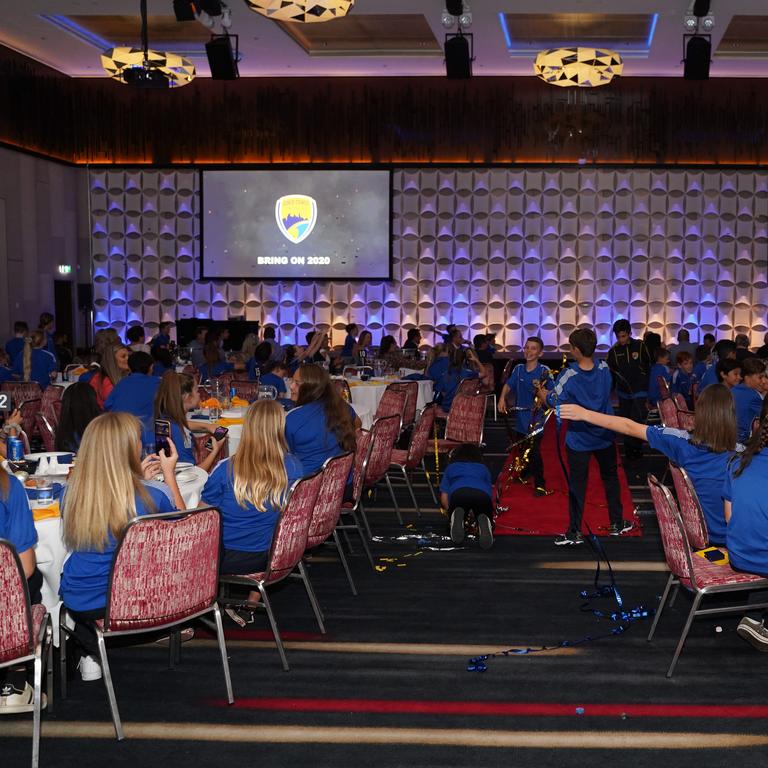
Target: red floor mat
528, 515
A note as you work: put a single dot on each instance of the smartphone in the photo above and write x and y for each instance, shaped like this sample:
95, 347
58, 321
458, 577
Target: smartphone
220, 433
162, 435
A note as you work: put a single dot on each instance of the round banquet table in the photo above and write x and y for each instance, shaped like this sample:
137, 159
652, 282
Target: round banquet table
51, 554
366, 396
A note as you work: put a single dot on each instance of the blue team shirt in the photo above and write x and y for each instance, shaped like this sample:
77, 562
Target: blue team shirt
5, 374
706, 469
14, 346
273, 380
448, 384
657, 369
309, 438
158, 369
16, 522
748, 406
682, 383
43, 365
182, 439
85, 577
746, 537
699, 370
466, 474
438, 368
245, 529
349, 343
589, 389
217, 370
521, 394
708, 377
135, 394
161, 340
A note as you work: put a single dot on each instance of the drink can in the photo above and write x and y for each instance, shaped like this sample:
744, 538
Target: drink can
233, 392
45, 493
14, 449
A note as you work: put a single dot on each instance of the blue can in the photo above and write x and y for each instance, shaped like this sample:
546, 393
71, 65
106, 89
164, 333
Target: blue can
14, 449
233, 392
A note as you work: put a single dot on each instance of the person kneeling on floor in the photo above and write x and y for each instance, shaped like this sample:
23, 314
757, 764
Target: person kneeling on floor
466, 487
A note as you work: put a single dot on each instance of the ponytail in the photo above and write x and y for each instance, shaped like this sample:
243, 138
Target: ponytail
757, 443
35, 340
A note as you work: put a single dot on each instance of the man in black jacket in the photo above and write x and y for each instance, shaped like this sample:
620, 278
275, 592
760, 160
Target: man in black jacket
630, 363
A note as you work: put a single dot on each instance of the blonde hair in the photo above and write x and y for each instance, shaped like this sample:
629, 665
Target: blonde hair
249, 345
101, 494
35, 340
109, 363
258, 466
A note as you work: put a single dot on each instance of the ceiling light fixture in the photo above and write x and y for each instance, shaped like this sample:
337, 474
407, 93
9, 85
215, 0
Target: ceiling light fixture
145, 68
304, 11
582, 67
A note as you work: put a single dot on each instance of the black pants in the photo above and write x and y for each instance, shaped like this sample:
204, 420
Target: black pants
578, 469
470, 498
234, 562
84, 631
535, 462
635, 410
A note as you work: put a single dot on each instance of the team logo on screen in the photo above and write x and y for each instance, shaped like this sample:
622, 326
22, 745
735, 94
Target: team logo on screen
296, 216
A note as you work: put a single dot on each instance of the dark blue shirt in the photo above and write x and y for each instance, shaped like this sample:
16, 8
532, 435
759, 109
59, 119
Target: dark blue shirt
657, 371
245, 529
747, 535
438, 368
158, 369
448, 384
681, 384
14, 346
591, 390
706, 469
16, 522
183, 440
309, 438
135, 394
349, 343
218, 369
521, 393
708, 377
161, 340
273, 380
748, 406
466, 474
5, 374
85, 577
43, 365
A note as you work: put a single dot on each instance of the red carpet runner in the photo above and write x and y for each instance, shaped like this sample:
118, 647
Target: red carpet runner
529, 515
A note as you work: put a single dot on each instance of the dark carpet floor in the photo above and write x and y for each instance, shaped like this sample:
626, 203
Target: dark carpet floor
388, 685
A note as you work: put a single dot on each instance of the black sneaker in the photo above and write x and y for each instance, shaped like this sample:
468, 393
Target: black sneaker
457, 525
569, 537
623, 527
484, 532
753, 632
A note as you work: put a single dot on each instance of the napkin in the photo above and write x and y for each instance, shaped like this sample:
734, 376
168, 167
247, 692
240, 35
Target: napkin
46, 513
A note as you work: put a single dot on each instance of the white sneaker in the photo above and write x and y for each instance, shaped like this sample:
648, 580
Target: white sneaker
90, 669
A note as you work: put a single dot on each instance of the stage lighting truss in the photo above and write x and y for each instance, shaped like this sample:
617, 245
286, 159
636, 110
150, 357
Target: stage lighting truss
122, 61
578, 67
303, 11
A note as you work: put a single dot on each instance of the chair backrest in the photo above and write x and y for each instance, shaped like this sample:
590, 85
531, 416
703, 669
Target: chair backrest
21, 391
363, 445
247, 390
668, 413
384, 433
392, 403
465, 419
356, 370
663, 386
47, 433
690, 508
16, 640
489, 375
166, 567
468, 387
342, 387
677, 551
200, 442
327, 508
51, 395
292, 529
680, 402
686, 419
29, 409
507, 370
419, 444
411, 389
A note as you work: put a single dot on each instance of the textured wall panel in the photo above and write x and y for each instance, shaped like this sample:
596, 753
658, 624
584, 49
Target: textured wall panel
521, 253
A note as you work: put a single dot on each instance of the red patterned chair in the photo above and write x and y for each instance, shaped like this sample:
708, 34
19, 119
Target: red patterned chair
247, 390
201, 450
690, 508
349, 520
668, 413
384, 434
405, 461
164, 574
46, 431
489, 387
26, 635
392, 403
21, 391
52, 394
325, 515
289, 543
663, 386
696, 574
342, 387
411, 389
686, 419
467, 387
465, 422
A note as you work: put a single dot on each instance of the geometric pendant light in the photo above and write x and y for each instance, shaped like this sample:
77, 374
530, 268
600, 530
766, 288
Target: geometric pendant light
304, 11
581, 67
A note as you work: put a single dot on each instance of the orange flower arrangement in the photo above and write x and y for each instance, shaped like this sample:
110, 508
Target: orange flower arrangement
211, 402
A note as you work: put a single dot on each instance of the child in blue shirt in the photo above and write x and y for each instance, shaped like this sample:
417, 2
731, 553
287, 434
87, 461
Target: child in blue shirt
659, 370
725, 349
15, 345
466, 487
519, 391
746, 395
457, 370
704, 454
136, 392
588, 384
683, 378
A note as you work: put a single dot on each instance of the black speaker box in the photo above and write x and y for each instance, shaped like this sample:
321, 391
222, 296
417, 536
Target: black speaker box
698, 53
184, 10
458, 62
221, 59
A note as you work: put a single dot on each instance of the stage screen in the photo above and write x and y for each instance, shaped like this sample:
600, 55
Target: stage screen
319, 225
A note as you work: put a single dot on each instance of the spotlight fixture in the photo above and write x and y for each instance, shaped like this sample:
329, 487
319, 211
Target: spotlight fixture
145, 68
690, 23
465, 19
447, 19
582, 67
304, 11
708, 22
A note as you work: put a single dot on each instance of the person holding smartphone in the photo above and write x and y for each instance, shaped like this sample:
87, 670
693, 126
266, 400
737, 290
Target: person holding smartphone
176, 396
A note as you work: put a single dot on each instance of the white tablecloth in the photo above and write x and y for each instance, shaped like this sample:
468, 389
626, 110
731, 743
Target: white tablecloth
366, 396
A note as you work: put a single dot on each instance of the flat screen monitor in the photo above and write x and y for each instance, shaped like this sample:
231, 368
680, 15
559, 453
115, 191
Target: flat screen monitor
313, 224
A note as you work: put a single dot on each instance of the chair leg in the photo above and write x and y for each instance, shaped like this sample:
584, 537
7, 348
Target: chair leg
223, 651
429, 481
686, 629
62, 653
410, 490
674, 595
365, 520
394, 500
110, 688
656, 618
49, 667
36, 702
172, 651
344, 562
273, 625
364, 540
311, 595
